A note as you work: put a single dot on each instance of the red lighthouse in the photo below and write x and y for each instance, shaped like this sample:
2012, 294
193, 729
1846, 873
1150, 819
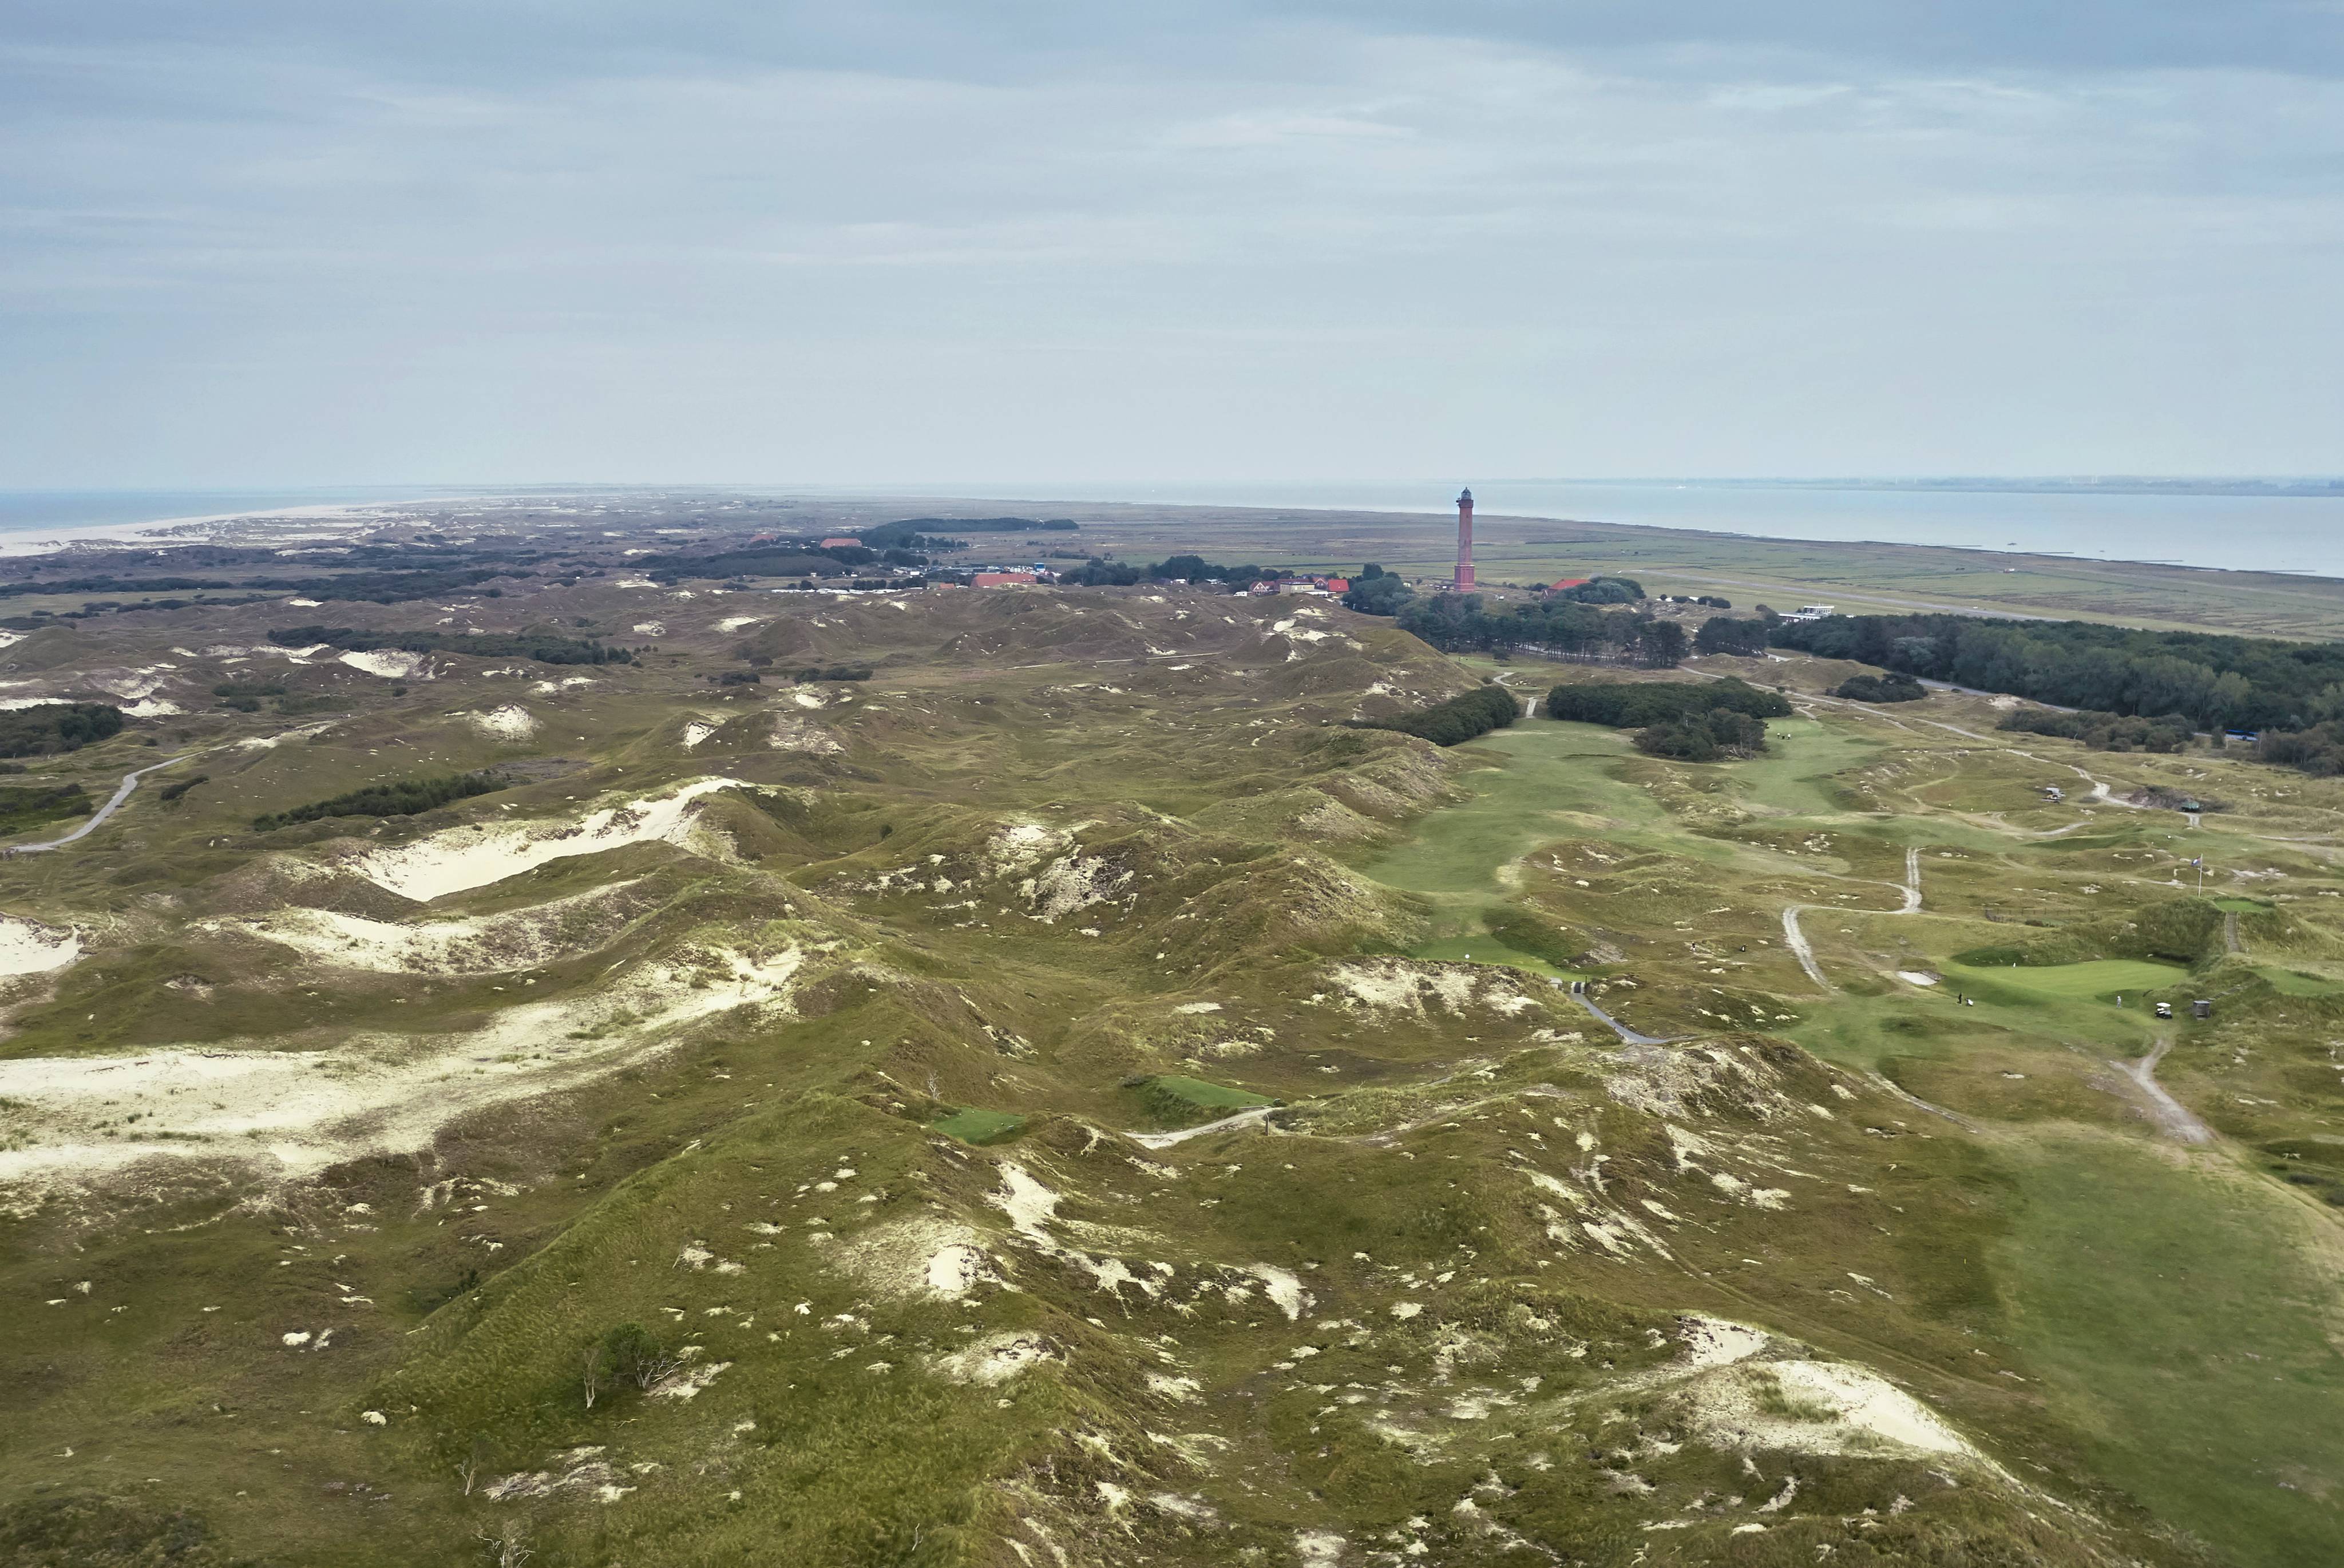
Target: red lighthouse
1465, 540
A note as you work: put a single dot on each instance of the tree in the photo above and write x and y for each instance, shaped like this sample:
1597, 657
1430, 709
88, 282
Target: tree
1659, 644
1370, 571
1379, 595
1725, 634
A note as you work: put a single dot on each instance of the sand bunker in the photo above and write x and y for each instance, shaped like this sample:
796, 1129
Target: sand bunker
474, 856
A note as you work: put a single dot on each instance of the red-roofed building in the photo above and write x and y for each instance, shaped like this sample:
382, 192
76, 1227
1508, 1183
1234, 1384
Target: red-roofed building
842, 544
1338, 585
1560, 584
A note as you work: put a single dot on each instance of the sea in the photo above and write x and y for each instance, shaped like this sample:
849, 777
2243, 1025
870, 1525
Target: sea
2294, 534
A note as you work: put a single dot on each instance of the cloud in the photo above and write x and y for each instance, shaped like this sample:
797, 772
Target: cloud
289, 243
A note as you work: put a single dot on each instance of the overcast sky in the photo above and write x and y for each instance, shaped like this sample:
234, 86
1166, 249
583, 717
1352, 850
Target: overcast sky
281, 242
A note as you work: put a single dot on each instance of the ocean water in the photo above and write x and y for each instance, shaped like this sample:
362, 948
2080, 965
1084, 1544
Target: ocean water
2302, 534
63, 512
2235, 532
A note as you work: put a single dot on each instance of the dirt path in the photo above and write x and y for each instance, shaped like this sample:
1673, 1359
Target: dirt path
97, 818
2172, 1118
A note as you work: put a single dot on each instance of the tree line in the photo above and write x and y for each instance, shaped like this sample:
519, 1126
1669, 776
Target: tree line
2216, 680
393, 797
1459, 623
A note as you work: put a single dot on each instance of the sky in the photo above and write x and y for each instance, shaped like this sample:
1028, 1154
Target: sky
272, 242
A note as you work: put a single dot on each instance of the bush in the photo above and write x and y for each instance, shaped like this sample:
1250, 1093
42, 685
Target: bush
1604, 590
1477, 712
2108, 732
1889, 688
54, 727
837, 672
29, 806
399, 797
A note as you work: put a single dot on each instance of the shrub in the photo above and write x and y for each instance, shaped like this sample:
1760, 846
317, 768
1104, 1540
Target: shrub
1477, 712
2108, 732
54, 727
1892, 687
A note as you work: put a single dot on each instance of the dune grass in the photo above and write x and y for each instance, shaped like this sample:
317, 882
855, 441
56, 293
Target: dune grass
973, 1125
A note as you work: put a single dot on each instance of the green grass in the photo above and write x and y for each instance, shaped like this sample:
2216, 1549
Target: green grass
1175, 1100
973, 1125
2243, 906
1794, 776
1487, 949
1552, 781
2297, 983
2180, 1317
2097, 977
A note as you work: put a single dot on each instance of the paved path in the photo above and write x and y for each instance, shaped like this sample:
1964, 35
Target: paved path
97, 818
1257, 1115
1626, 1034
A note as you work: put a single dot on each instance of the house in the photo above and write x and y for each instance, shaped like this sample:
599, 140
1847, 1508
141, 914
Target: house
1337, 584
1560, 584
1002, 579
1809, 612
1263, 588
842, 544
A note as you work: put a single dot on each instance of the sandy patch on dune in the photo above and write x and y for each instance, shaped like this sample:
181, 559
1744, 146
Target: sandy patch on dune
474, 856
390, 663
734, 622
1833, 1408
511, 723
924, 1256
29, 947
995, 1358
293, 1113
488, 944
696, 731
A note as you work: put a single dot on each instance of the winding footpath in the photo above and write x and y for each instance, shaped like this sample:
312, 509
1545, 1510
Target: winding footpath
1803, 950
2170, 1114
